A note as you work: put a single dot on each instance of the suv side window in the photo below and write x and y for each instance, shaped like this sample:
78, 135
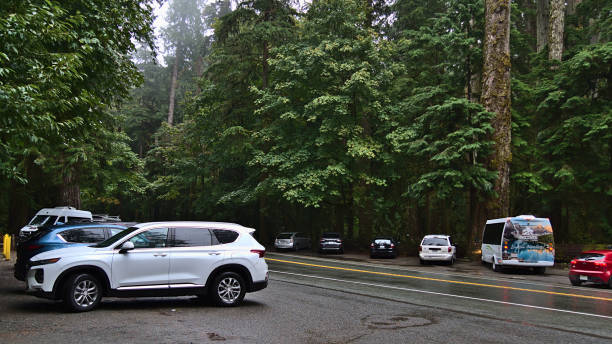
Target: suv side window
188, 237
153, 238
223, 236
83, 235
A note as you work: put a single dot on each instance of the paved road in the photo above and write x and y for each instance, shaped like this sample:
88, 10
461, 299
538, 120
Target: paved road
326, 306
546, 301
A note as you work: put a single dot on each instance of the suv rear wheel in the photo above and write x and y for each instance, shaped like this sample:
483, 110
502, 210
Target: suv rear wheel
82, 292
228, 289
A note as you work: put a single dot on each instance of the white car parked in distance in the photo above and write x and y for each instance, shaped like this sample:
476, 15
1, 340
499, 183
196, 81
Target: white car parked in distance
219, 260
437, 247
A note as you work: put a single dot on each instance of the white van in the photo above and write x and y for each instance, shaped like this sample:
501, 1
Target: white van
53, 216
521, 241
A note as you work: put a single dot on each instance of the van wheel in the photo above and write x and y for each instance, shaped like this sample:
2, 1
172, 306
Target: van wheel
82, 292
228, 289
495, 267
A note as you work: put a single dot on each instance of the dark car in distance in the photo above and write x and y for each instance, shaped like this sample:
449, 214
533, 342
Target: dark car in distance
383, 247
331, 242
62, 236
592, 266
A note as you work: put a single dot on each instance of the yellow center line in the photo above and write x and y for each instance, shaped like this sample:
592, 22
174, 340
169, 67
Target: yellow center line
439, 280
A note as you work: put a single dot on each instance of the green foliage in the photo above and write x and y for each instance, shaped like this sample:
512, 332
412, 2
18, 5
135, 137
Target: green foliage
353, 116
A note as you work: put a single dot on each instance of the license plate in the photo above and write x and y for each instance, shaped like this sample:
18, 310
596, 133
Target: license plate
584, 278
381, 246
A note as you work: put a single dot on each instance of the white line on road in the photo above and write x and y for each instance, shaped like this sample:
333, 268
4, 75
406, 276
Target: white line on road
443, 294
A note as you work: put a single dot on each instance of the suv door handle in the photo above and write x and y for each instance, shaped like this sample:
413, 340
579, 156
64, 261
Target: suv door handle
159, 254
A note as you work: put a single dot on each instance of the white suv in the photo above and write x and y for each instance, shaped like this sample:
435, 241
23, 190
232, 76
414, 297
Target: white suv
437, 247
219, 260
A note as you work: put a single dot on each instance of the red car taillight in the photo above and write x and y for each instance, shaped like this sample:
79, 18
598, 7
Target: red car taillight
601, 264
573, 263
261, 253
450, 249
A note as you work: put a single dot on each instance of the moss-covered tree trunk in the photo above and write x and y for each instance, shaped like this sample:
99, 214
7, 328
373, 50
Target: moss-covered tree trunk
496, 97
555, 29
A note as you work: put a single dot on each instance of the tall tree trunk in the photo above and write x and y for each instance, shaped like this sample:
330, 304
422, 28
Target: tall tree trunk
173, 83
19, 207
530, 13
70, 192
198, 70
542, 12
555, 29
496, 97
571, 6
264, 83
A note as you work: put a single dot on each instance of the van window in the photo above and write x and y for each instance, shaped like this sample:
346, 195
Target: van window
39, 220
493, 233
435, 242
77, 219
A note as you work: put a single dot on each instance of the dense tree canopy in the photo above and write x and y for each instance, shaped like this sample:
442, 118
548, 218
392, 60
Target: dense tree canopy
363, 117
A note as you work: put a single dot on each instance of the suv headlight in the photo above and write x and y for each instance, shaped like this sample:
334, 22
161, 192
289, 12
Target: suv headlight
44, 261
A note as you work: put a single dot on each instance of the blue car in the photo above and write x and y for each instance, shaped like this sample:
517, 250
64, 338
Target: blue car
62, 236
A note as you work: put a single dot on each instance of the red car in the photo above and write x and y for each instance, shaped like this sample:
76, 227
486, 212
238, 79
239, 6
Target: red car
592, 266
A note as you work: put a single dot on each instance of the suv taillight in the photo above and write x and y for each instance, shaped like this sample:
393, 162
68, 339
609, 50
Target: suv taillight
261, 253
450, 249
371, 245
420, 248
392, 245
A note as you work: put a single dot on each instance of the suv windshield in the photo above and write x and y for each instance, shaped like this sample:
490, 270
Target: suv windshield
116, 237
435, 242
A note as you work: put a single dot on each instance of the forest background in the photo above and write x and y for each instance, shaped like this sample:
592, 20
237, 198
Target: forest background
365, 117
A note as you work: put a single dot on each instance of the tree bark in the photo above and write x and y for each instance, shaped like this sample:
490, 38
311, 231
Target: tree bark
571, 6
496, 97
70, 192
19, 207
173, 87
555, 29
542, 13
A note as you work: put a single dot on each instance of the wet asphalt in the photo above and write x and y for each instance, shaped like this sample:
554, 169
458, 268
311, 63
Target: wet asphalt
334, 299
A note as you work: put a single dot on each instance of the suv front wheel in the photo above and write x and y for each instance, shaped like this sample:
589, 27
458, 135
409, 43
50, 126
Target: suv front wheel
228, 289
82, 292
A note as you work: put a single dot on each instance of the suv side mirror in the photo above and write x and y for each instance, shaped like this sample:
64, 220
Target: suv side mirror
127, 246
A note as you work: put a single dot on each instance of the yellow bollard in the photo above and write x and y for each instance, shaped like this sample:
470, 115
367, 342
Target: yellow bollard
7, 247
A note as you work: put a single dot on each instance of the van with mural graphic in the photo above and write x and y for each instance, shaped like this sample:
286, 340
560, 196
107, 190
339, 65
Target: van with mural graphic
521, 241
